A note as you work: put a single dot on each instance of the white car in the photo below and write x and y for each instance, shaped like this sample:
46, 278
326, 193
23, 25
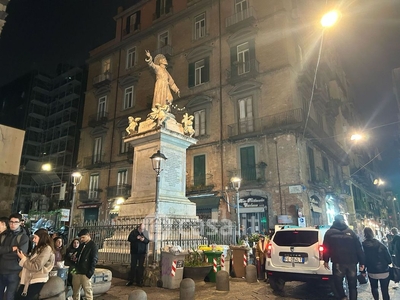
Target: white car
296, 254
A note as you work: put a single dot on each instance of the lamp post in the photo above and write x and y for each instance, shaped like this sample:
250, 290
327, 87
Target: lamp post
156, 160
236, 185
76, 179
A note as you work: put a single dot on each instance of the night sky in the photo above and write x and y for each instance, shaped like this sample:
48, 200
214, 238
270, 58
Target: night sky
42, 33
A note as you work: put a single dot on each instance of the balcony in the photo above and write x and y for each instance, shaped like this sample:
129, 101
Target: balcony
241, 19
88, 196
95, 161
240, 71
199, 184
102, 79
116, 191
251, 176
98, 119
166, 50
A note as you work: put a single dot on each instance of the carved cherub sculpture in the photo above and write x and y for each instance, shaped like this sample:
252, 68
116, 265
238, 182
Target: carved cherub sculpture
159, 113
133, 123
187, 122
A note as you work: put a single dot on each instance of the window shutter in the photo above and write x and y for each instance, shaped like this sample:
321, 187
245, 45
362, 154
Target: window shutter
168, 6
158, 8
191, 75
252, 50
137, 24
205, 74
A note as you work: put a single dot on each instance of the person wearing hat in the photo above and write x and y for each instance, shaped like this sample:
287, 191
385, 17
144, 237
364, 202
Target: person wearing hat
85, 264
343, 248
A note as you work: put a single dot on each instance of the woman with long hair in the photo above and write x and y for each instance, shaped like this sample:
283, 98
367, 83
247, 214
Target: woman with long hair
36, 267
71, 257
59, 249
377, 261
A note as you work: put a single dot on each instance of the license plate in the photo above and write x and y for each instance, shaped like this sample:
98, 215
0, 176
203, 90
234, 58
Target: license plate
291, 259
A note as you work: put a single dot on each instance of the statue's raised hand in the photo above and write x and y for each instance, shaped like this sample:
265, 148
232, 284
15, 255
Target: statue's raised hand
147, 53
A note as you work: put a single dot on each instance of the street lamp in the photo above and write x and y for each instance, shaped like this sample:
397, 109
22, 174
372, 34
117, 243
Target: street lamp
76, 179
236, 185
330, 18
156, 160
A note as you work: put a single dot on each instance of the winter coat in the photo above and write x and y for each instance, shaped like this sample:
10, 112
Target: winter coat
137, 246
87, 259
377, 256
8, 258
37, 267
261, 250
342, 245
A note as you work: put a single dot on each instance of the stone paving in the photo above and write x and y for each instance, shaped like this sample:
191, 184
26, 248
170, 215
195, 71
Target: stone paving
239, 289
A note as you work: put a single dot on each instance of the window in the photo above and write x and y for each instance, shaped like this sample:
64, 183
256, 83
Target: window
124, 147
102, 108
248, 163
163, 39
131, 57
199, 170
199, 72
163, 7
325, 166
122, 177
106, 65
133, 22
311, 161
128, 97
94, 186
200, 122
295, 238
246, 120
243, 58
200, 26
241, 7
97, 149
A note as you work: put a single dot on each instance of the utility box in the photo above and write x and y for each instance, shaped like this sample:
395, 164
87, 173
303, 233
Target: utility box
172, 269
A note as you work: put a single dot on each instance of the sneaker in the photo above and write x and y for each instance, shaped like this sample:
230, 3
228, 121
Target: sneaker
129, 283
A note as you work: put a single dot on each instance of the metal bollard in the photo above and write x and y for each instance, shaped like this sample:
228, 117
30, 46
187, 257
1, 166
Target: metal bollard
187, 289
251, 274
53, 289
138, 295
222, 283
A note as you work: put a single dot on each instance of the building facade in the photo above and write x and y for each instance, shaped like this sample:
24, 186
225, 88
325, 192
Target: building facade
245, 70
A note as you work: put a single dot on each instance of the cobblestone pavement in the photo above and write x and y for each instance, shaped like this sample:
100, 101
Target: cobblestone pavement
239, 289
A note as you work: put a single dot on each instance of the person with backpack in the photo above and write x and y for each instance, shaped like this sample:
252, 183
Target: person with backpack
377, 261
14, 239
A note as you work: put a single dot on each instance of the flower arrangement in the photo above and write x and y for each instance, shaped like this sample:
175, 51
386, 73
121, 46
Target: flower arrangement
211, 248
195, 258
254, 237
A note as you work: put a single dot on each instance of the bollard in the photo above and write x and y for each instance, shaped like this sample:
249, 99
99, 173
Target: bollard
138, 295
187, 289
53, 289
251, 274
222, 281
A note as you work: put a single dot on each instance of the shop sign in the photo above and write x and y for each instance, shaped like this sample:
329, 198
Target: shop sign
253, 201
64, 215
285, 219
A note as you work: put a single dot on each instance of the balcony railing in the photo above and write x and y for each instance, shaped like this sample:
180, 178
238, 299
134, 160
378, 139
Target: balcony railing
123, 190
243, 70
94, 161
242, 18
98, 119
199, 184
102, 79
251, 175
86, 196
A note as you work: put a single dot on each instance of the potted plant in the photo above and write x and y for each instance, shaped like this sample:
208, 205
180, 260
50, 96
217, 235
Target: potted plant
195, 266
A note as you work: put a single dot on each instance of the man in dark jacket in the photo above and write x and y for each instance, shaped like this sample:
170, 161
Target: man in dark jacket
138, 254
85, 265
395, 246
11, 240
344, 249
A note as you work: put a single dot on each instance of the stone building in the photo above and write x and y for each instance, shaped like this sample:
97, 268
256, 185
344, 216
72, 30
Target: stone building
245, 70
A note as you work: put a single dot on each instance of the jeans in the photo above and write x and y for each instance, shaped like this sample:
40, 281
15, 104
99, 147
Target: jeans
32, 293
384, 288
137, 267
11, 282
350, 272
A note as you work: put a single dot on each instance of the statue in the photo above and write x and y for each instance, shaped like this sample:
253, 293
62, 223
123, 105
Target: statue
159, 113
164, 81
187, 122
133, 123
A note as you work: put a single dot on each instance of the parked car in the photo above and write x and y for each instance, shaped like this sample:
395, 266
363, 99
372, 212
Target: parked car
296, 254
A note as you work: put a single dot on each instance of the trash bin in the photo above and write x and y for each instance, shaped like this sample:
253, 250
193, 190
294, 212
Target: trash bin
172, 269
239, 254
212, 275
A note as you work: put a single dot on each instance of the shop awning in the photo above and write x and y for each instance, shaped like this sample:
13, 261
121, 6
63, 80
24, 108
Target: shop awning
89, 205
206, 202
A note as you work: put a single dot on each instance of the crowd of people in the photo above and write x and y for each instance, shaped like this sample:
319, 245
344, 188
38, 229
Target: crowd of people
27, 261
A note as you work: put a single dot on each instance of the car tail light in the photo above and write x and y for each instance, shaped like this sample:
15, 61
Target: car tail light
269, 250
321, 252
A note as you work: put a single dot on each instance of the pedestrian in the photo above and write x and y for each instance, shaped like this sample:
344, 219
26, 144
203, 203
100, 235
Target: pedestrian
85, 266
395, 246
138, 254
377, 261
36, 267
70, 258
3, 225
59, 249
261, 256
12, 239
344, 250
